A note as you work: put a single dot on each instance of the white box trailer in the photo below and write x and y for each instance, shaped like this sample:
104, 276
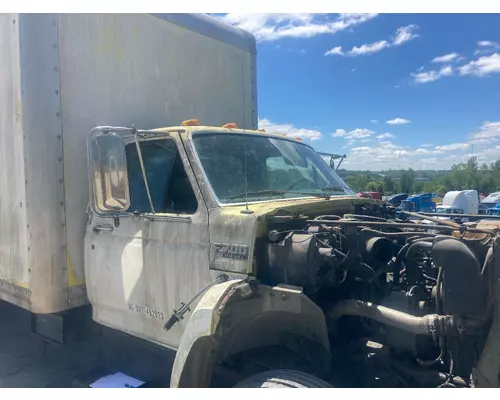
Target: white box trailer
62, 75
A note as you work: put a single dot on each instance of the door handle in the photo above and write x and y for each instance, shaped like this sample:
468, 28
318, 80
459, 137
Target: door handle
103, 228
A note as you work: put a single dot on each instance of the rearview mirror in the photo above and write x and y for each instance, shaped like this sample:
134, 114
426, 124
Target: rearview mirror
108, 172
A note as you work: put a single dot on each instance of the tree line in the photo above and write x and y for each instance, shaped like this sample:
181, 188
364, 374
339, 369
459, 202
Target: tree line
467, 175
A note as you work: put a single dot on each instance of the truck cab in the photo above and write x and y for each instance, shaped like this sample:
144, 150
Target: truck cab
173, 209
417, 203
494, 211
490, 201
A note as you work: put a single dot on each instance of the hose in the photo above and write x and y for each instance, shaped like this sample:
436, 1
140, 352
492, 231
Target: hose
395, 234
429, 325
364, 217
396, 269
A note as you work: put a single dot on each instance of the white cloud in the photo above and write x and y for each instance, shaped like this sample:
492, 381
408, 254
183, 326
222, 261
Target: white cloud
453, 146
274, 26
398, 121
405, 34
486, 43
424, 77
355, 134
369, 48
385, 136
374, 121
335, 51
487, 47
384, 154
431, 76
360, 133
388, 155
289, 130
488, 133
447, 58
446, 71
483, 66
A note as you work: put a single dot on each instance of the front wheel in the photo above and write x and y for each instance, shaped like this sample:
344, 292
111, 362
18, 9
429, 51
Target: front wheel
282, 379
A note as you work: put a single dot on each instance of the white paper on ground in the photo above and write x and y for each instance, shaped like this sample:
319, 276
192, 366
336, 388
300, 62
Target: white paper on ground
117, 380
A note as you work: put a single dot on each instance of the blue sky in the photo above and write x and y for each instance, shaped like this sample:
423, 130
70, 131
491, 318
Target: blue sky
390, 90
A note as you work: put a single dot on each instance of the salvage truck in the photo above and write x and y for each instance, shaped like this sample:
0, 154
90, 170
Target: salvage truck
138, 198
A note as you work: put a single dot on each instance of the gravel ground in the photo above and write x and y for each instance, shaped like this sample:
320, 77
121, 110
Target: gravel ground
27, 361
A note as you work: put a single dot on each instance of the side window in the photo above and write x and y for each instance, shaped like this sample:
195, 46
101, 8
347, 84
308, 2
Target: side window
170, 189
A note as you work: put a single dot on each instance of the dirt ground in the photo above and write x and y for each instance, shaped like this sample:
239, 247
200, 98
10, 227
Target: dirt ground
27, 361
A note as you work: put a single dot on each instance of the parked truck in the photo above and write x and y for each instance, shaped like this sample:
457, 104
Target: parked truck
490, 201
233, 249
418, 203
493, 211
459, 202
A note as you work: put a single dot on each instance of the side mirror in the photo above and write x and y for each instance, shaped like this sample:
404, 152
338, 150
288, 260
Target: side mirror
108, 172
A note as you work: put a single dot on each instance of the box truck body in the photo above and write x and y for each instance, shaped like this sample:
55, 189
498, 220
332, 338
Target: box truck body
65, 74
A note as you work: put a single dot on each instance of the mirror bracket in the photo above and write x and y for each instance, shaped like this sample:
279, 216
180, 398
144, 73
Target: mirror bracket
334, 157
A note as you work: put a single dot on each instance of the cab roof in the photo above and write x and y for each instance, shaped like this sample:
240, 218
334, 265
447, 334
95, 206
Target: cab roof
215, 129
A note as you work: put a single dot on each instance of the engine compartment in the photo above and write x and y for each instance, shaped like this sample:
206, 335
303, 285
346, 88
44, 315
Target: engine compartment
407, 304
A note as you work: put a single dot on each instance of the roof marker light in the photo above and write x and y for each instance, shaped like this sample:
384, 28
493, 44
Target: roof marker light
190, 122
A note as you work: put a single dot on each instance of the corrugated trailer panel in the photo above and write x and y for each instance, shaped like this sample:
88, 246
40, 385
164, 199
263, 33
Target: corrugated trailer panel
45, 203
80, 71
13, 232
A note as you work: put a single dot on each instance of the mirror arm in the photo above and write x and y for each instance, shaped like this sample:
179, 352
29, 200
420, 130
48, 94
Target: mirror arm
139, 153
340, 162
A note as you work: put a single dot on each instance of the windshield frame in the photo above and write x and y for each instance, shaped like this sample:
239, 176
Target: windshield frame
269, 200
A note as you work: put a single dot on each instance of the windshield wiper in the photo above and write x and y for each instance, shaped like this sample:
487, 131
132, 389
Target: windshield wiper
278, 192
334, 189
256, 193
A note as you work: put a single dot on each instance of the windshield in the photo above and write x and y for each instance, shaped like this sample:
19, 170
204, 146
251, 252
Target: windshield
275, 168
449, 210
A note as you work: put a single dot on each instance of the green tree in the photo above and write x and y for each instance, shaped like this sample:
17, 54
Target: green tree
372, 187
407, 180
418, 187
388, 184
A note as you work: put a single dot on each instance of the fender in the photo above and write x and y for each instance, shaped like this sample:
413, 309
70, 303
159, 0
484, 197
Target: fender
237, 316
195, 347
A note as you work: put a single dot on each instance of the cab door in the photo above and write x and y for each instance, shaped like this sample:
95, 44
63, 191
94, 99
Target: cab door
139, 264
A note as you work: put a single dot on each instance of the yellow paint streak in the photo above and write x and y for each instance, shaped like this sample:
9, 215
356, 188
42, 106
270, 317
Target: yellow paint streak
107, 41
70, 273
23, 285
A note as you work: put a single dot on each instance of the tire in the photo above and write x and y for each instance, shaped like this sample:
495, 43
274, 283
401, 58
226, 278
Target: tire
282, 379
